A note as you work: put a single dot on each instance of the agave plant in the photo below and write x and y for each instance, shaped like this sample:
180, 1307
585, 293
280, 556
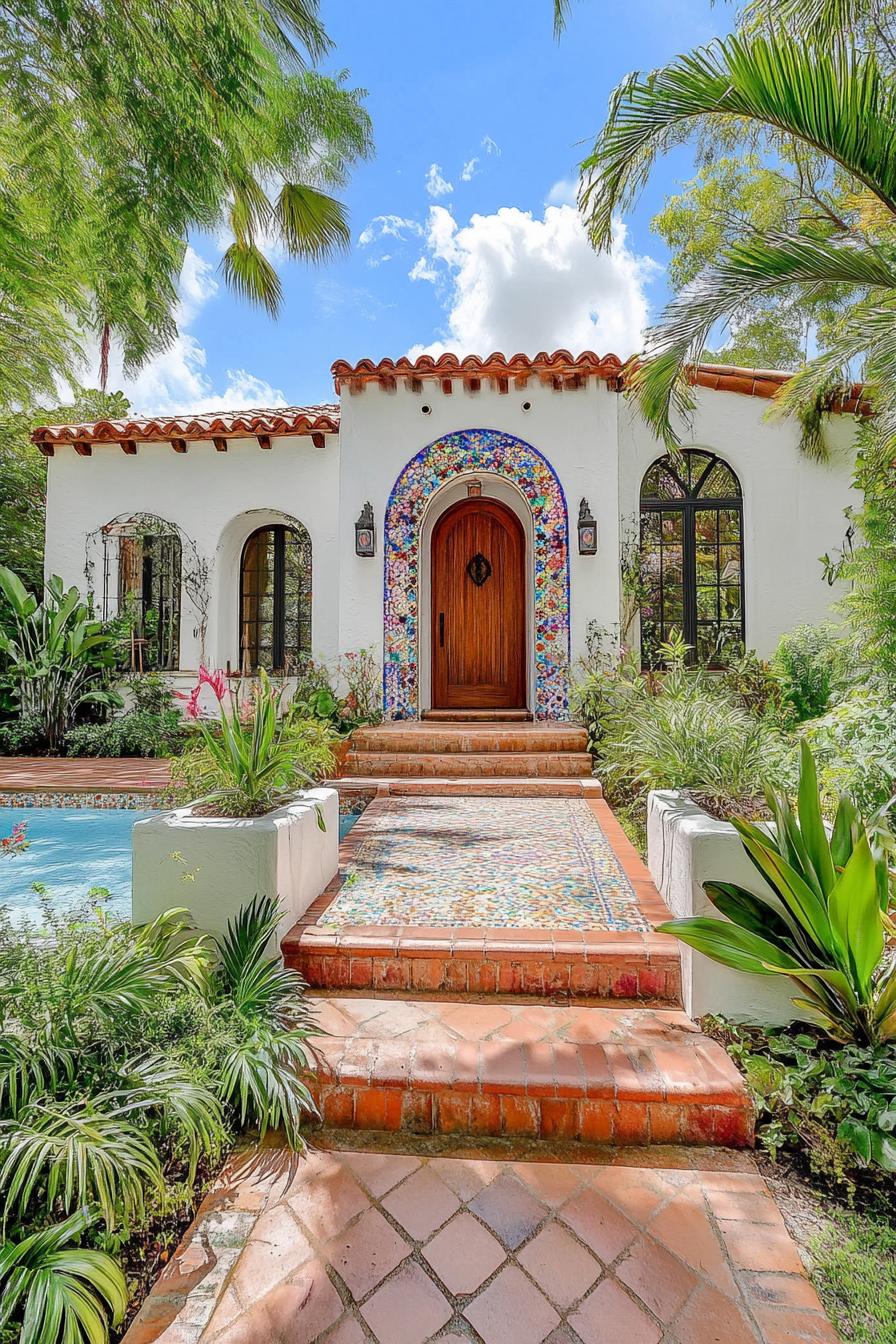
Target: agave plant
823, 923
59, 656
60, 1291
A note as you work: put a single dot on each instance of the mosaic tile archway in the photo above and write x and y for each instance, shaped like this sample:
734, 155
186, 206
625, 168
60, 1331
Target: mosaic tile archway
487, 451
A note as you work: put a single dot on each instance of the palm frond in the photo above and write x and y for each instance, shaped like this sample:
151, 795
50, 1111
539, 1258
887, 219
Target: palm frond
78, 1155
831, 99
59, 1292
262, 1078
249, 273
152, 1084
312, 224
258, 983
759, 265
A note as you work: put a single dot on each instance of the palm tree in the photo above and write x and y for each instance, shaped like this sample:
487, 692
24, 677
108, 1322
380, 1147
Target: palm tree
836, 102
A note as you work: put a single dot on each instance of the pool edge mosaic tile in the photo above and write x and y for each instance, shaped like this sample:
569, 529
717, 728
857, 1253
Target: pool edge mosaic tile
498, 453
446, 862
136, 800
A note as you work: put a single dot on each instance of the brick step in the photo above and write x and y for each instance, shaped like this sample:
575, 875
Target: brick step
550, 764
442, 738
576, 963
496, 787
477, 715
596, 1075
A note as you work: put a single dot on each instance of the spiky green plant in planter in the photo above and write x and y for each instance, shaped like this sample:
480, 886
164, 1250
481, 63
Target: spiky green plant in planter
825, 922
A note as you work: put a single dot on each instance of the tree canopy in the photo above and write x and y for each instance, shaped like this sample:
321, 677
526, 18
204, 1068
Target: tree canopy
124, 127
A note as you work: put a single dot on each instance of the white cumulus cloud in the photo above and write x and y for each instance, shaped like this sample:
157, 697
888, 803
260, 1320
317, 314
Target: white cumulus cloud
389, 226
469, 170
436, 184
512, 281
489, 145
176, 379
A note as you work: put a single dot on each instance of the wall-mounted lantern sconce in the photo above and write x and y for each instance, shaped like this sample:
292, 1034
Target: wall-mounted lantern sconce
365, 532
474, 489
587, 530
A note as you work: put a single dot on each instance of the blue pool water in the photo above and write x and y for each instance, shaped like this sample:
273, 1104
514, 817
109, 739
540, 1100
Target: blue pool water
73, 850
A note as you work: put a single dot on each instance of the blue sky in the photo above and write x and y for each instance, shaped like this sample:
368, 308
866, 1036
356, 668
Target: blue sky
499, 259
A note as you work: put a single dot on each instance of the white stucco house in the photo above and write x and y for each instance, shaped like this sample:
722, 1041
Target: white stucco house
464, 516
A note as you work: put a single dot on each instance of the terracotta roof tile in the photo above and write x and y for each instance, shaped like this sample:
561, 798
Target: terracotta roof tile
561, 366
277, 421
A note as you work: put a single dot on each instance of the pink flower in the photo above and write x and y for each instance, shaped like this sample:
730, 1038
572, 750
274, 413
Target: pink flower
192, 710
216, 680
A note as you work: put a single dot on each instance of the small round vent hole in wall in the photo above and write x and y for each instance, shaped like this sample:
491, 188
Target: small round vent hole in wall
527, 405
426, 410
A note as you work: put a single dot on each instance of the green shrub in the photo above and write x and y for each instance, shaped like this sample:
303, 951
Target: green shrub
129, 1060
812, 662
854, 746
316, 695
22, 737
136, 733
836, 1107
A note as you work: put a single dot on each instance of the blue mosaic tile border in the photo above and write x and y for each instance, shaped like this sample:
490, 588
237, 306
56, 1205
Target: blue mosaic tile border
136, 801
489, 451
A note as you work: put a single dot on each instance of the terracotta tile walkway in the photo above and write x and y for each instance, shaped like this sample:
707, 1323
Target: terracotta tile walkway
349, 1247
98, 775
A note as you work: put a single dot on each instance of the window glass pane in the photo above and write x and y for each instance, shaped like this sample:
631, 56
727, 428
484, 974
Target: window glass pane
661, 482
275, 616
720, 483
696, 464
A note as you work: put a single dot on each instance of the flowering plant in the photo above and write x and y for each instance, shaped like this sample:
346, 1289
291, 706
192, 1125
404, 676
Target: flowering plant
250, 760
17, 841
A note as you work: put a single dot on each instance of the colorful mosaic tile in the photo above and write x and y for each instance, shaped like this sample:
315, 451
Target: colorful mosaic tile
479, 450
137, 800
530, 863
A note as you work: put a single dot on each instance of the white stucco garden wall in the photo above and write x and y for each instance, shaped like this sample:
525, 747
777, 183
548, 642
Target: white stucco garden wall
793, 508
685, 848
213, 866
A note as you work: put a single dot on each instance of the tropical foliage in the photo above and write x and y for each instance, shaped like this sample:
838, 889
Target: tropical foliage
152, 726
820, 915
252, 757
318, 693
837, 1106
58, 657
128, 126
129, 1059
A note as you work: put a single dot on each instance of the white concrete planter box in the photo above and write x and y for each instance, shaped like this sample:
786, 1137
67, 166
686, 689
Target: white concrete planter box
685, 848
214, 865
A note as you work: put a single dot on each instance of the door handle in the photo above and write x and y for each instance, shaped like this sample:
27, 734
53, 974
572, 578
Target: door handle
441, 629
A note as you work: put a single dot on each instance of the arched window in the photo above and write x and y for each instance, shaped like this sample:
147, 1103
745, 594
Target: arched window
142, 564
692, 558
275, 599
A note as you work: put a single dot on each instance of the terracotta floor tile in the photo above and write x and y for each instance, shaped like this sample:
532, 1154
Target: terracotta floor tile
276, 1250
511, 1310
380, 1172
464, 1254
757, 1246
661, 1281
711, 1318
551, 1182
365, 1253
601, 1226
610, 1314
326, 1205
408, 1309
466, 1177
421, 1203
508, 1208
348, 1331
560, 1265
299, 1311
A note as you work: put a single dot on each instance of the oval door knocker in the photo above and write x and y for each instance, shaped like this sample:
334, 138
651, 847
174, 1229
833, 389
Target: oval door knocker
479, 569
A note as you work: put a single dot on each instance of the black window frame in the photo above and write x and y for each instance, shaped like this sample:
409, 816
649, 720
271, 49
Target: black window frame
283, 660
688, 505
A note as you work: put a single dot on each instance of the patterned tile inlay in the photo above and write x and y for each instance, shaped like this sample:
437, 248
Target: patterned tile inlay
479, 450
531, 863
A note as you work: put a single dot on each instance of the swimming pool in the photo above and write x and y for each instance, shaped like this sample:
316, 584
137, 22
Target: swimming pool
72, 851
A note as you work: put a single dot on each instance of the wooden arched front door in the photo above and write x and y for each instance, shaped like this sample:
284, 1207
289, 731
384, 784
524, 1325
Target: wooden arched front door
478, 608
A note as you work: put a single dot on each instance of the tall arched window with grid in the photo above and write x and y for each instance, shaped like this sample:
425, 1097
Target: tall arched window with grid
275, 599
692, 554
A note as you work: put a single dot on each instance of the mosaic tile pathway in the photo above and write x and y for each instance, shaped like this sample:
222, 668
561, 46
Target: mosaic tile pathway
535, 863
356, 1247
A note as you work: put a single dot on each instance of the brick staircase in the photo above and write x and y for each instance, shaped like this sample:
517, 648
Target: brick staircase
471, 748
503, 1032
